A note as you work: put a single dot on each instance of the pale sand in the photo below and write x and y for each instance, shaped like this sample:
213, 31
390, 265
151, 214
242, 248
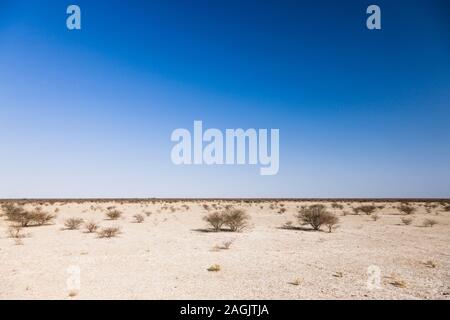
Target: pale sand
166, 257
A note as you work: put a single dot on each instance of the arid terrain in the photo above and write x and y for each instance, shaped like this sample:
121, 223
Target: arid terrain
165, 249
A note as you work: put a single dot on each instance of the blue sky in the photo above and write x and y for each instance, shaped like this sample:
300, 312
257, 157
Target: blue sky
89, 113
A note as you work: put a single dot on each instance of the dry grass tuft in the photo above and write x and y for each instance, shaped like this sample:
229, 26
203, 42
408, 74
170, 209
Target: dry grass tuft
73, 293
297, 282
429, 264
214, 268
398, 283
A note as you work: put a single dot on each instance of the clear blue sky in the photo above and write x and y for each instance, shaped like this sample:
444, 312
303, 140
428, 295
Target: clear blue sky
89, 113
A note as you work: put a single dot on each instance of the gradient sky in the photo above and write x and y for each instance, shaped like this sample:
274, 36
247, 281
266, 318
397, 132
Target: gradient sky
89, 113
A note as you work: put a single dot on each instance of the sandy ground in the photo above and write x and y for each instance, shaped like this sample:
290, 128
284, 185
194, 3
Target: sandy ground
167, 256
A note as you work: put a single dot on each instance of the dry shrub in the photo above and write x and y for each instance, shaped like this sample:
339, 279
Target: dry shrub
406, 209
109, 232
407, 221
447, 208
367, 209
429, 222
226, 244
138, 218
215, 219
113, 214
73, 223
375, 217
15, 232
316, 215
91, 226
338, 206
17, 214
331, 222
236, 219
40, 217
24, 218
214, 268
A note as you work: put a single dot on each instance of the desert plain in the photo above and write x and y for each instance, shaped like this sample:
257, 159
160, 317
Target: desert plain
164, 249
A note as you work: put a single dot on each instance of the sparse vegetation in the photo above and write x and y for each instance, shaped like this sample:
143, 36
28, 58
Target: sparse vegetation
406, 209
109, 232
375, 217
215, 219
288, 225
15, 232
226, 244
406, 220
138, 218
316, 215
331, 222
338, 206
236, 219
73, 223
91, 226
367, 209
429, 222
18, 215
40, 217
113, 214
